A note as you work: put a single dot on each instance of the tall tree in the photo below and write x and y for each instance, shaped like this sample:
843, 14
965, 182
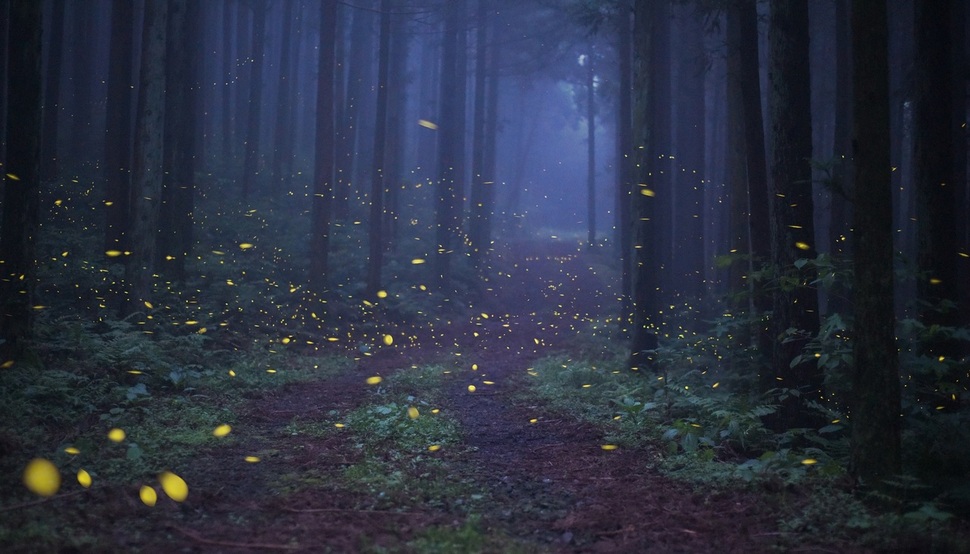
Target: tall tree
648, 16
755, 167
378, 184
450, 141
50, 166
625, 168
590, 150
875, 397
475, 231
283, 132
251, 163
117, 136
794, 314
146, 177
933, 137
397, 79
18, 230
178, 182
323, 169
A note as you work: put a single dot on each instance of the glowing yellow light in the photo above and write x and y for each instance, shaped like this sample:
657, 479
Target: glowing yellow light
413, 412
252, 459
417, 261
245, 245
471, 388
116, 435
83, 478
388, 340
221, 430
374, 380
434, 448
426, 124
72, 450
802, 246
148, 495
809, 461
382, 294
648, 192
174, 486
113, 253
609, 446
41, 477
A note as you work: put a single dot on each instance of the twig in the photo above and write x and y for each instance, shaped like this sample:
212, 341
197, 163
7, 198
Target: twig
203, 540
43, 500
347, 510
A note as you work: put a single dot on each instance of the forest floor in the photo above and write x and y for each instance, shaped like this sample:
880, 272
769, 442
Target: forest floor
342, 467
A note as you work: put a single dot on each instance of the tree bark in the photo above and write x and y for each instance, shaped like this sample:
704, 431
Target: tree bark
450, 143
625, 168
22, 177
376, 223
937, 288
50, 166
875, 398
251, 163
283, 132
146, 178
323, 172
178, 182
590, 151
118, 139
794, 314
648, 15
476, 236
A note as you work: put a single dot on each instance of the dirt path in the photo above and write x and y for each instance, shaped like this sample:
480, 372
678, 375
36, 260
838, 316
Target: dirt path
550, 486
523, 486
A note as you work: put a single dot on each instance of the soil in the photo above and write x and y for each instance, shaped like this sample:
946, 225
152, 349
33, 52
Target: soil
549, 484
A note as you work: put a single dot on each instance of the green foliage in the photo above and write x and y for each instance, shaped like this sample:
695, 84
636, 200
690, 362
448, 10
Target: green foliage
389, 426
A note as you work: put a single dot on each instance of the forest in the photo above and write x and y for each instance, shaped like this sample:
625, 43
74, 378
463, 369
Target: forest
484, 276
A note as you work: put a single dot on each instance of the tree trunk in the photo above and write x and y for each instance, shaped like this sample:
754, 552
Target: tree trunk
875, 396
450, 143
178, 183
648, 15
933, 135
794, 314
118, 143
590, 151
251, 163
477, 239
376, 223
282, 146
22, 177
146, 178
359, 67
323, 171
739, 276
50, 166
227, 85
625, 169
396, 110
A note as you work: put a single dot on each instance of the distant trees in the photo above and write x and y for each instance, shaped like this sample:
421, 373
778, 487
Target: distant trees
22, 176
